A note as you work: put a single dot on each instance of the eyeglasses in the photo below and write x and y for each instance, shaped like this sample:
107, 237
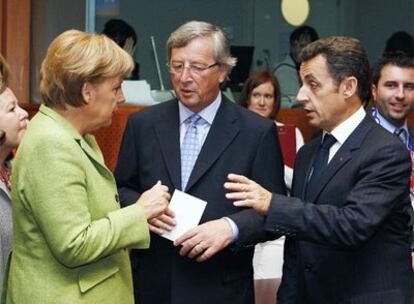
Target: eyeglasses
194, 68
265, 96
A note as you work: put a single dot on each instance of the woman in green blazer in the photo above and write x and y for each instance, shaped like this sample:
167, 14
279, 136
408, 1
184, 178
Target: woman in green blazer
71, 238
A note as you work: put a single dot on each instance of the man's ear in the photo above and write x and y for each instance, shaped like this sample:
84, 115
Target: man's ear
224, 72
374, 92
349, 87
87, 92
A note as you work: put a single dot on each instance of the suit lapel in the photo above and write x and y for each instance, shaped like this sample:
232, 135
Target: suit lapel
304, 171
222, 132
344, 154
167, 131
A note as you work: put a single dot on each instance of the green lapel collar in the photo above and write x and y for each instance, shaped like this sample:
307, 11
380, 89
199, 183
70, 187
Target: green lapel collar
87, 143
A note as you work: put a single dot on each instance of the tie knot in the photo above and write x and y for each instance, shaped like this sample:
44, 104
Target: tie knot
194, 119
328, 141
402, 134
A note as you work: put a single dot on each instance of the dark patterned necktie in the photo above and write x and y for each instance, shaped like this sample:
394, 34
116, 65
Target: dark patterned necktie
320, 163
402, 134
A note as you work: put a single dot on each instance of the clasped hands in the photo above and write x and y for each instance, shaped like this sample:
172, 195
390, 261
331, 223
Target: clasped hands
201, 242
205, 240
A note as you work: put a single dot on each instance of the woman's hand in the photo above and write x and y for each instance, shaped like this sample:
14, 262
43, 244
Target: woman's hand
247, 193
155, 200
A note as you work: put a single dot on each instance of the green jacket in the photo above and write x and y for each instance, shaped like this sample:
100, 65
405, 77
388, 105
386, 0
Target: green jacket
70, 235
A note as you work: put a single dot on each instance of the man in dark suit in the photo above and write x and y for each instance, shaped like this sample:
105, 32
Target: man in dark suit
347, 224
211, 263
393, 94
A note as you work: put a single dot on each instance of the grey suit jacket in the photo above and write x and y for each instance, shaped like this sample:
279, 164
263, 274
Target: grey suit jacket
6, 230
350, 242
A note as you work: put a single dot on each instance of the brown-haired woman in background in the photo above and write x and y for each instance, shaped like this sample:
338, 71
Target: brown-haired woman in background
13, 122
261, 94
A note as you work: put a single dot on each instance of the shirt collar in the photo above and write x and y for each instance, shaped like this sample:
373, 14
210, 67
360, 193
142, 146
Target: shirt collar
389, 126
345, 128
208, 113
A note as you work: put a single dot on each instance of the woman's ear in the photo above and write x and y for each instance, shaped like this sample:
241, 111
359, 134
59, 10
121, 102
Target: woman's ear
349, 87
87, 92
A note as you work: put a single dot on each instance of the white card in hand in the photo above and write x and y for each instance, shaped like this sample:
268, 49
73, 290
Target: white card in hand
188, 210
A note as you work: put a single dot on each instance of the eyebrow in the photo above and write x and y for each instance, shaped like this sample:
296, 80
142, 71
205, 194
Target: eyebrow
396, 81
310, 77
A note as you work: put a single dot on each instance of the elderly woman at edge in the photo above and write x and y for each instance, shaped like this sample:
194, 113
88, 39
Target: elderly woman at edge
13, 122
71, 237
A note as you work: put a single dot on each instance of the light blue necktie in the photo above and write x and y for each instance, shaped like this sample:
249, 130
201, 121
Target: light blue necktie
190, 148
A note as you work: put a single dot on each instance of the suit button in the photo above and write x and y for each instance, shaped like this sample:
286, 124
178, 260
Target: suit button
308, 267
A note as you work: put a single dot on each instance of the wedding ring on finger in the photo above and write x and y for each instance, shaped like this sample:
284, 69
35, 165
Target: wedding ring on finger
200, 247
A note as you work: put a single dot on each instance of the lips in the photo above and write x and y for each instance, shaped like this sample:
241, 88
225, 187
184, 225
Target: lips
186, 93
397, 107
263, 111
308, 112
24, 125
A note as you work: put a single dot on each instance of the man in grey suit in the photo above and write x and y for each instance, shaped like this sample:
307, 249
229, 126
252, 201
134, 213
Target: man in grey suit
393, 94
191, 144
348, 223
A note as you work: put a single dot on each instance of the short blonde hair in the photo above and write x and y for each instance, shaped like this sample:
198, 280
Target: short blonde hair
74, 58
4, 74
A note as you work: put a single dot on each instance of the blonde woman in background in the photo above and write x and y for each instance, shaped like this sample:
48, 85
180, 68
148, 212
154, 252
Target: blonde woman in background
71, 237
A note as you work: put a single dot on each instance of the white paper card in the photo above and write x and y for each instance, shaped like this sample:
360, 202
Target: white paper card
188, 210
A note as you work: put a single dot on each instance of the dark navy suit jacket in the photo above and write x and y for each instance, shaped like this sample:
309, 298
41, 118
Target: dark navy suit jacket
350, 242
239, 141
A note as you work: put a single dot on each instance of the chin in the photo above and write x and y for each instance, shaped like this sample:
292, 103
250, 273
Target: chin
107, 123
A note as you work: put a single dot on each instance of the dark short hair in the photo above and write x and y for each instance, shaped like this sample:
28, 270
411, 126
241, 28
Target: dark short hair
303, 34
398, 59
400, 42
256, 79
299, 38
345, 57
119, 31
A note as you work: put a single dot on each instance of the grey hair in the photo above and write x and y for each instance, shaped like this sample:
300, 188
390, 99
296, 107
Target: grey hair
196, 29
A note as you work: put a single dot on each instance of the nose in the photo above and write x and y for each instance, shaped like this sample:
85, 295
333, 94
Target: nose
302, 97
22, 113
185, 74
121, 97
400, 93
262, 100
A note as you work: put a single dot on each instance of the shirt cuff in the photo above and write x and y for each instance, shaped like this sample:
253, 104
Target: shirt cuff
233, 228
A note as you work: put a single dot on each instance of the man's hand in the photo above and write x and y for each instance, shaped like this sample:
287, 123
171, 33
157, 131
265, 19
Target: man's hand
163, 223
205, 240
247, 193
